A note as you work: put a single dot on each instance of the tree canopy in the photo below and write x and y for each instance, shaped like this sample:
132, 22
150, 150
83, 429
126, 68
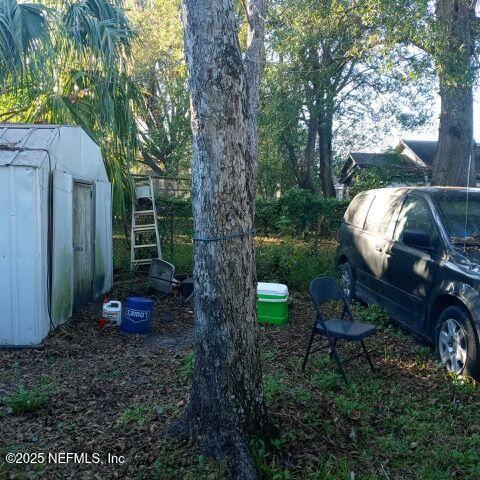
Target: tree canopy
339, 74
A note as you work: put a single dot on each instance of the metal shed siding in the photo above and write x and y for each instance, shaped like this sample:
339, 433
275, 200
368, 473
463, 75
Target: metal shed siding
22, 275
28, 156
62, 261
103, 238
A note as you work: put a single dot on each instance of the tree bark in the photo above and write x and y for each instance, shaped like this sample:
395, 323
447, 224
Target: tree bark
455, 152
226, 401
310, 148
302, 163
325, 134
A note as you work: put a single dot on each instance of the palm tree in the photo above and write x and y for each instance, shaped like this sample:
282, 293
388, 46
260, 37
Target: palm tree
67, 63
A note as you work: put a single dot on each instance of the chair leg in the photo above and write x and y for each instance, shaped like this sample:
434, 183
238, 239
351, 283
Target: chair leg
367, 355
333, 346
307, 353
335, 356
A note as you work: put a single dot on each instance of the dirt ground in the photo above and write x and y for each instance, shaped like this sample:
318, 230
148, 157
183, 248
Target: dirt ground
111, 393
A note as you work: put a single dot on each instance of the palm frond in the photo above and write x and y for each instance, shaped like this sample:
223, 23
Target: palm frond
24, 39
68, 65
98, 29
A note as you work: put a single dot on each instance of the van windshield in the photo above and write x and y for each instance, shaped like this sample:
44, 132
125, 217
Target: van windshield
462, 228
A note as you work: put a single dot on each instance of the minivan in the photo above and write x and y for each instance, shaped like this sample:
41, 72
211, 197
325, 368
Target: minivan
416, 253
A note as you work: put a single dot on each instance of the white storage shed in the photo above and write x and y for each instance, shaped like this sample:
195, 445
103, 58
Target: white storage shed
55, 228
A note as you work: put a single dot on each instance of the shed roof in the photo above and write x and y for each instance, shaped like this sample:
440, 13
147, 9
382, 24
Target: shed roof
26, 145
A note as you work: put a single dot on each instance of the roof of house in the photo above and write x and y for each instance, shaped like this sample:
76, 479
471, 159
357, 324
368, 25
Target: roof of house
378, 159
366, 160
423, 154
425, 150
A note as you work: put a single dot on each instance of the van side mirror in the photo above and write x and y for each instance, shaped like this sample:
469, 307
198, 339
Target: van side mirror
418, 239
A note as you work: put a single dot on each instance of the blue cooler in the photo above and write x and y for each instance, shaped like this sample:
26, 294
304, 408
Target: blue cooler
138, 315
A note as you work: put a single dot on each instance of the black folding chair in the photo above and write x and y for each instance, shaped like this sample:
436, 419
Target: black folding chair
325, 289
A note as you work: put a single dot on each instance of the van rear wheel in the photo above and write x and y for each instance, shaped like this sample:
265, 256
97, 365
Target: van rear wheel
456, 342
347, 281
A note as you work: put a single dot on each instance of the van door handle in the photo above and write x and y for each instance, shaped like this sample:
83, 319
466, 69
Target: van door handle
378, 248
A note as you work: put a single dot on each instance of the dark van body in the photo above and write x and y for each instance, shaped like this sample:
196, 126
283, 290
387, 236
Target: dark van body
416, 253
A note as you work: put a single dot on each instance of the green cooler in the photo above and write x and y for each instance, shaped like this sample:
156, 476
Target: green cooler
272, 303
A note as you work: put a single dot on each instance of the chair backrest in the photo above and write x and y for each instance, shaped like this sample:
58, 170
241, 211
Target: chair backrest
161, 275
324, 289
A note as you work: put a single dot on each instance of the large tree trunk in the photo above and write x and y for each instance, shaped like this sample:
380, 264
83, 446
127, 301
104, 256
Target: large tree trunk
310, 148
303, 163
454, 58
325, 134
226, 401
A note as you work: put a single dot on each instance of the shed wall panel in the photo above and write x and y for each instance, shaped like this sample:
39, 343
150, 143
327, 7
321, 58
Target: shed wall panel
62, 261
103, 238
22, 321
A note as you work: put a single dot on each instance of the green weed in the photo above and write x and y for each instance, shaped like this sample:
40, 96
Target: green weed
274, 386
266, 462
26, 400
140, 414
186, 371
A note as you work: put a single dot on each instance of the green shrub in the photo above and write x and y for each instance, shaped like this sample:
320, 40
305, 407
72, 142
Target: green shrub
294, 262
300, 213
372, 314
297, 212
379, 177
265, 461
28, 400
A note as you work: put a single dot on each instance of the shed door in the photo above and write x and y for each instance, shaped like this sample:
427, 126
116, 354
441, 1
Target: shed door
82, 244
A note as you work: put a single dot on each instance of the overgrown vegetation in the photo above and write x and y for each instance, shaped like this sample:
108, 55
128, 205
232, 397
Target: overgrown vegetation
294, 241
297, 213
379, 177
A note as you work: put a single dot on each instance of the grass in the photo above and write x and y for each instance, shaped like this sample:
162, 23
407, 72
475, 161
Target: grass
139, 414
186, 372
175, 463
294, 262
407, 420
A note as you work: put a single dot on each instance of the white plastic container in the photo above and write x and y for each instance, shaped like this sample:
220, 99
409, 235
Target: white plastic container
112, 312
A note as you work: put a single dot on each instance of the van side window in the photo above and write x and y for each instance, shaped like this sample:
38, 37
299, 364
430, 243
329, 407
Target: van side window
357, 210
415, 215
381, 211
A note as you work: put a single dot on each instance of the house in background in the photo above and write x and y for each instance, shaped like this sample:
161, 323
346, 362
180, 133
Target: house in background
413, 157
